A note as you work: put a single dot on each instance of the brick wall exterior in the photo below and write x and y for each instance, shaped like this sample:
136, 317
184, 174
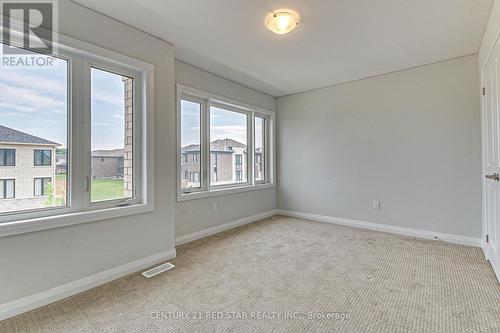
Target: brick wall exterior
106, 167
128, 190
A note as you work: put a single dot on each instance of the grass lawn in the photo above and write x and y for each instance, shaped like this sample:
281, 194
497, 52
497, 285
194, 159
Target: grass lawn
61, 176
101, 189
106, 189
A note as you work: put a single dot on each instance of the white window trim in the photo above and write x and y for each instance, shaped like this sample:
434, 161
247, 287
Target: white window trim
79, 106
206, 100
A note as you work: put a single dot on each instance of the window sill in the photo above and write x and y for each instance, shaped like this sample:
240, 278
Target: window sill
63, 220
222, 191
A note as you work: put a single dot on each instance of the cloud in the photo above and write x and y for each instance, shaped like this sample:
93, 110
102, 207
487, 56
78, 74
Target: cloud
238, 133
51, 121
28, 100
19, 78
118, 116
110, 97
16, 107
101, 124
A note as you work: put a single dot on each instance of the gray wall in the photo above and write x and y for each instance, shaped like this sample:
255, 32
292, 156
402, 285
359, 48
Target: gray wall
196, 215
410, 139
37, 261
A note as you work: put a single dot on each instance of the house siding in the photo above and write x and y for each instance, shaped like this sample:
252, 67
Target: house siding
24, 173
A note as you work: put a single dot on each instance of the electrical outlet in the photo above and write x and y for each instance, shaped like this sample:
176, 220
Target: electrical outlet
214, 206
377, 205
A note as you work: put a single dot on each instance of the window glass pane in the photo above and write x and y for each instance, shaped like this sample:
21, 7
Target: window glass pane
111, 136
7, 157
45, 183
33, 116
2, 189
38, 158
43, 157
259, 148
38, 186
228, 147
10, 157
43, 186
9, 189
47, 157
190, 144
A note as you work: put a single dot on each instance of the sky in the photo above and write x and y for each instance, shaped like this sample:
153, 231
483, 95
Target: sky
34, 100
108, 124
223, 124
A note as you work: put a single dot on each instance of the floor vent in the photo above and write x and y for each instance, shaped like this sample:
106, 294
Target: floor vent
158, 269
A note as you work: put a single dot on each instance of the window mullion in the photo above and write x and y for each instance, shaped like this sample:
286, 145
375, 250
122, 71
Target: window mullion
251, 149
80, 134
205, 143
269, 143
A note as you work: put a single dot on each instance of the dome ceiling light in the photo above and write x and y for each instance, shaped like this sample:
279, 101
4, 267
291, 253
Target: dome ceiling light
282, 21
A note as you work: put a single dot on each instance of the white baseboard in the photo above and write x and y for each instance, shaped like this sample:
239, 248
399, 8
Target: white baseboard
37, 300
222, 227
457, 239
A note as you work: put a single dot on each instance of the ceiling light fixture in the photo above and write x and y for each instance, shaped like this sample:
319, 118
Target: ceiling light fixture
282, 21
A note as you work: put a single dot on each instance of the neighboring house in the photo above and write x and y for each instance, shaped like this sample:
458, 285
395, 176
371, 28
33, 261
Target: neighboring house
107, 163
228, 163
259, 165
27, 166
61, 162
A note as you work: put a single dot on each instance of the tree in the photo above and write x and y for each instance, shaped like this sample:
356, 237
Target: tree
52, 200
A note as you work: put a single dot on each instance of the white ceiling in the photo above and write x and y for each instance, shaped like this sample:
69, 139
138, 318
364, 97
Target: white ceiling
337, 41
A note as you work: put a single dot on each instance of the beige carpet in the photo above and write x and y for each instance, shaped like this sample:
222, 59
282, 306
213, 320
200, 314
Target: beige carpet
357, 280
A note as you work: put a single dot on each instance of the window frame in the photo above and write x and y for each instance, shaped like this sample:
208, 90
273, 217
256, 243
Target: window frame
123, 70
79, 56
42, 157
43, 187
206, 100
231, 108
3, 157
266, 156
202, 157
4, 180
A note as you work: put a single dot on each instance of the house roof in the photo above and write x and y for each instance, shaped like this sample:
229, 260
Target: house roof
9, 135
108, 153
224, 146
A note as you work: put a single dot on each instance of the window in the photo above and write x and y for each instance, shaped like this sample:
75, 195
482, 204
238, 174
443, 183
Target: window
259, 152
112, 125
237, 161
190, 142
7, 188
80, 142
7, 157
196, 177
229, 143
42, 186
43, 157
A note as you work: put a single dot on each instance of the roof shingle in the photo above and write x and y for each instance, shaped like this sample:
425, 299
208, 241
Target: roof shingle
9, 135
